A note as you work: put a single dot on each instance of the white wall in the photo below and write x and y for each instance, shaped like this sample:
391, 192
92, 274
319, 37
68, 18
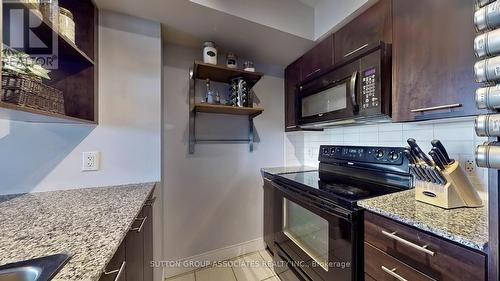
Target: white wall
457, 135
42, 157
330, 15
214, 196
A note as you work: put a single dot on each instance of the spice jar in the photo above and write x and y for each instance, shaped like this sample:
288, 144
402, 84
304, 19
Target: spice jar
209, 53
231, 60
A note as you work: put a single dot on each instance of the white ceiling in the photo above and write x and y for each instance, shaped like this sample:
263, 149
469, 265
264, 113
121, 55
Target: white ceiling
310, 3
274, 32
191, 24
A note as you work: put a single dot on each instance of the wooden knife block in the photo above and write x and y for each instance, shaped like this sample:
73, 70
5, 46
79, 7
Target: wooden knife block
456, 193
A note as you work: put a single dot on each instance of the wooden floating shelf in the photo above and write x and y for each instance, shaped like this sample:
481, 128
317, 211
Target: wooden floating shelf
226, 109
75, 73
71, 58
11, 111
224, 74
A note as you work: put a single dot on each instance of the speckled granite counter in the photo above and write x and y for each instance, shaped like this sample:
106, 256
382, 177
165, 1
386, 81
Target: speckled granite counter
89, 223
466, 226
287, 170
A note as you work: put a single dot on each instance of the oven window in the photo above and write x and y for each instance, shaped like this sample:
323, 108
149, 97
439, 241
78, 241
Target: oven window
307, 230
331, 99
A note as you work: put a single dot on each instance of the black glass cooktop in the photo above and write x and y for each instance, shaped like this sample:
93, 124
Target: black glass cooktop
343, 191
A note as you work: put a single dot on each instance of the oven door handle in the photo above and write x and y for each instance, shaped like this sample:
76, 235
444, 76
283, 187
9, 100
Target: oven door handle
322, 204
297, 271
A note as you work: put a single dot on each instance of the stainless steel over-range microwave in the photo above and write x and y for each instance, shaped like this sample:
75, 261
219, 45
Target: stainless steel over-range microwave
355, 89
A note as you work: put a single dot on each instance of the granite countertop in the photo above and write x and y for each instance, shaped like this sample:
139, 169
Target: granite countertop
89, 223
466, 226
287, 170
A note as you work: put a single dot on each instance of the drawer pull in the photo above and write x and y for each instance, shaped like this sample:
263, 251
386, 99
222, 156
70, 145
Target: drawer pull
408, 243
150, 202
437, 107
139, 229
119, 271
392, 272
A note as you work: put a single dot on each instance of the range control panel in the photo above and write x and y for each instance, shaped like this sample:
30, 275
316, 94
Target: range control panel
368, 91
365, 154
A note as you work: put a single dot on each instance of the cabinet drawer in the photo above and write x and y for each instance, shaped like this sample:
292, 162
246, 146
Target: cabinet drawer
116, 267
382, 267
436, 257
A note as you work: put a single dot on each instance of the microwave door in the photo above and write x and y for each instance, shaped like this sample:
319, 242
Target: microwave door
336, 101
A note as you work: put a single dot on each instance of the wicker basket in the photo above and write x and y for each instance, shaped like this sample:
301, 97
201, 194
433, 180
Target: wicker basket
26, 91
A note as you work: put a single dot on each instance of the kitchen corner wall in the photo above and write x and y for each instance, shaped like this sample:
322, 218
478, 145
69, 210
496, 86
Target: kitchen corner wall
457, 135
213, 198
43, 157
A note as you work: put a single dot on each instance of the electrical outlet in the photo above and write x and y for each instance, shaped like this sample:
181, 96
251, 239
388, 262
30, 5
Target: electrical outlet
470, 165
90, 161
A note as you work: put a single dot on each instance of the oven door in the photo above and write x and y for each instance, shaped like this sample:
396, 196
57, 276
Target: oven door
334, 96
317, 239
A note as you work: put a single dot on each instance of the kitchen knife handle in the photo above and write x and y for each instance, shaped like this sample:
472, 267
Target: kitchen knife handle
436, 159
410, 157
437, 144
414, 146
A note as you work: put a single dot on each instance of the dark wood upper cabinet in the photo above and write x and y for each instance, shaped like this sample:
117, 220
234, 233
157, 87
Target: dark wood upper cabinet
373, 25
318, 58
292, 78
433, 59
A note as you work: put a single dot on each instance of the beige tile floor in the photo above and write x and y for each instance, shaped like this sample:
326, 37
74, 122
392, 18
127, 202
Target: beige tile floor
250, 272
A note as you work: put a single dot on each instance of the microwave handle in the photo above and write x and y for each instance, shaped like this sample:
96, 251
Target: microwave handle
354, 79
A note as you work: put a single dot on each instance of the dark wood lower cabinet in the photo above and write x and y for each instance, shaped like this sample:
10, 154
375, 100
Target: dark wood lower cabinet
132, 260
148, 240
134, 250
117, 267
416, 255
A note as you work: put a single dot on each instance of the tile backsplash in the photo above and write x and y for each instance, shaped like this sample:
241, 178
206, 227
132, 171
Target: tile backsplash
457, 135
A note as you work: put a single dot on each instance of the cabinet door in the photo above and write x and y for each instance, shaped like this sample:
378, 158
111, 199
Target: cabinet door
268, 214
117, 267
292, 78
433, 59
372, 26
134, 249
148, 239
317, 59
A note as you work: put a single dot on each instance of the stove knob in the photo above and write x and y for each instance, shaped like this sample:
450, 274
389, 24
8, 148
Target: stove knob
326, 151
379, 153
393, 155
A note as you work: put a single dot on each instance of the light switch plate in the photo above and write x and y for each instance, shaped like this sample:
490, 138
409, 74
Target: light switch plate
91, 160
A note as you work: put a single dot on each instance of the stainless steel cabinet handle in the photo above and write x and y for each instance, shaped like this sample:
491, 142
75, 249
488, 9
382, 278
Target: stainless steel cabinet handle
139, 229
119, 271
150, 202
291, 127
408, 243
355, 50
317, 70
437, 107
392, 272
354, 78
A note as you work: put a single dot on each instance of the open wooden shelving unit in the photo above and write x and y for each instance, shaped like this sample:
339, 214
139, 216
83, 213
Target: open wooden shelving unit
76, 73
222, 74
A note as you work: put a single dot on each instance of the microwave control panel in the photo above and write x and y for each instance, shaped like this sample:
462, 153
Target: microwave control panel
369, 96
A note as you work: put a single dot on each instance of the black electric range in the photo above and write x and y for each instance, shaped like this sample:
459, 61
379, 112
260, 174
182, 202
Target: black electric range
319, 226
